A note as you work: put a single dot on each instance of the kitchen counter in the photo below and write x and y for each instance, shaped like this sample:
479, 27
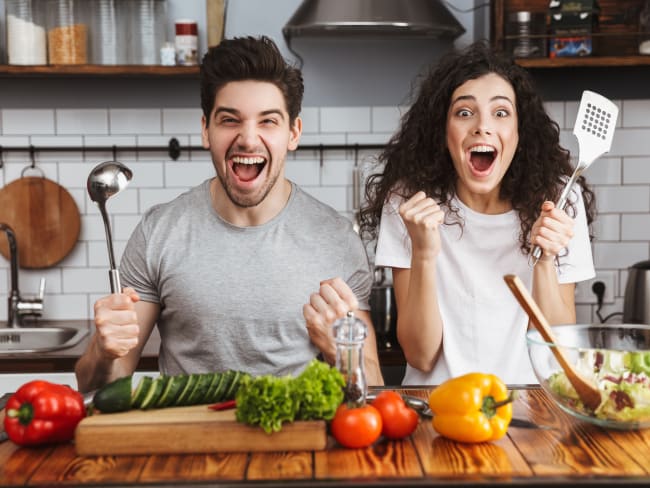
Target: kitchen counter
572, 452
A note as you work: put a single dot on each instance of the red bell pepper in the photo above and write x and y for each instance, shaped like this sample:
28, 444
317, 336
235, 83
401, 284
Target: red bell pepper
43, 413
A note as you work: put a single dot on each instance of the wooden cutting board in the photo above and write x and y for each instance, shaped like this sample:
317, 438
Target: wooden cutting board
44, 217
183, 430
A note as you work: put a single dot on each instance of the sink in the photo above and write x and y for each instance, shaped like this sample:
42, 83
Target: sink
46, 336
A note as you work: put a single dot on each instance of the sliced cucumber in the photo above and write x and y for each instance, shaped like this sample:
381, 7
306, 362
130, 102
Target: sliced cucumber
214, 384
200, 389
141, 391
189, 386
166, 382
174, 389
153, 393
234, 385
224, 386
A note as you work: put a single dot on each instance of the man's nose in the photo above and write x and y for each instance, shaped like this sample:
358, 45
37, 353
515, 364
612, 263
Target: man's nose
247, 136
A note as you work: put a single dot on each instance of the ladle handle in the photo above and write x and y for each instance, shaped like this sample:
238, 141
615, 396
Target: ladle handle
114, 277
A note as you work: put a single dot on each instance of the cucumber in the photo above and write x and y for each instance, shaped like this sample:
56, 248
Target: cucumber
166, 381
141, 391
115, 396
153, 393
200, 389
234, 386
214, 384
224, 386
174, 389
182, 398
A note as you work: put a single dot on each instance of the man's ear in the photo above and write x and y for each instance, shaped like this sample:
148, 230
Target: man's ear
294, 134
204, 133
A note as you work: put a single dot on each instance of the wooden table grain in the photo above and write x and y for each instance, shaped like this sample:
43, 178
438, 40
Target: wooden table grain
572, 452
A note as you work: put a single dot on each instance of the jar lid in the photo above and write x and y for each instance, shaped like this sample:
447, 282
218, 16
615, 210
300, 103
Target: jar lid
186, 27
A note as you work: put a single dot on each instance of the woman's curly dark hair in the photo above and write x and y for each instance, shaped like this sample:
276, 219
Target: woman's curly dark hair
416, 157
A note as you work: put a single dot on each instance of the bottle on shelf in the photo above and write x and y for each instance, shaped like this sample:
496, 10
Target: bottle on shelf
644, 29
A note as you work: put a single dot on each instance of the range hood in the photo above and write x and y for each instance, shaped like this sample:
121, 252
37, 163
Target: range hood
373, 18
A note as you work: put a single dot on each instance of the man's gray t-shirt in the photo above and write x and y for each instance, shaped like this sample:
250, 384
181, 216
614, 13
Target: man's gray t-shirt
232, 297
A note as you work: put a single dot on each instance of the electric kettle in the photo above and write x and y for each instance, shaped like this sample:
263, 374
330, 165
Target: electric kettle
636, 306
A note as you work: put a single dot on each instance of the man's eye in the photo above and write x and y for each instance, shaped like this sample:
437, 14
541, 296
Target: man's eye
269, 122
228, 120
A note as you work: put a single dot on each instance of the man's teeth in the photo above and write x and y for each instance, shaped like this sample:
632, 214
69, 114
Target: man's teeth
240, 160
482, 149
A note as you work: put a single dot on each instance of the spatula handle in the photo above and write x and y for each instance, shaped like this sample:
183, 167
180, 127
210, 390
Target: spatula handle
561, 203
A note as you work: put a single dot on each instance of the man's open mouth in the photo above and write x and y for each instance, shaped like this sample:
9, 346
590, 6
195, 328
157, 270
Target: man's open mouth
248, 168
481, 157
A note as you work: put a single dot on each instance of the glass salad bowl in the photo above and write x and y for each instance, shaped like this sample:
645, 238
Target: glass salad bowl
616, 358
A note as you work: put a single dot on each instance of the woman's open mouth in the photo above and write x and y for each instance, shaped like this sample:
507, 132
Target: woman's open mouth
247, 168
481, 158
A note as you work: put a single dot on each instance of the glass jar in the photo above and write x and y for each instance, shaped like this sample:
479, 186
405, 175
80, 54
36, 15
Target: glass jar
26, 39
147, 28
644, 29
350, 334
108, 32
67, 34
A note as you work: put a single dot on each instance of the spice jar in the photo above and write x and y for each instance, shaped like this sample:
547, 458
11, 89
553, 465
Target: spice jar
350, 334
67, 34
187, 42
26, 40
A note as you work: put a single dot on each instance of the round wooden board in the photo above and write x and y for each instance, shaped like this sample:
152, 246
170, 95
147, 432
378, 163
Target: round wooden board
44, 218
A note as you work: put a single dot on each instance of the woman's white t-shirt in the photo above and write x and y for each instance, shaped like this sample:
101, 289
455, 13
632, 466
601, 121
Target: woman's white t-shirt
484, 326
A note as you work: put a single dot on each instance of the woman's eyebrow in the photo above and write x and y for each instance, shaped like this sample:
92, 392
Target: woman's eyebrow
473, 98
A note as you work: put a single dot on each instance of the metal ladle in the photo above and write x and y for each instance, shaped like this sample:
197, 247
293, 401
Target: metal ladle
104, 181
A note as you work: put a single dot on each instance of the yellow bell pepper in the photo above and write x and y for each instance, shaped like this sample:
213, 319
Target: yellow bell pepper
475, 407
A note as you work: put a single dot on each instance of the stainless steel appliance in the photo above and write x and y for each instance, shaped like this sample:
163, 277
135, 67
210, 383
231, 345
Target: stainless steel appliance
636, 307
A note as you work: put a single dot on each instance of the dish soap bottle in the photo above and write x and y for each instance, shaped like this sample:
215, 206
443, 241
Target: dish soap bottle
350, 334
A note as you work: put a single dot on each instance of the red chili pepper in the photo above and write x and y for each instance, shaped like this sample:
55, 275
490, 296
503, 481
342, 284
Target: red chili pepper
223, 405
43, 413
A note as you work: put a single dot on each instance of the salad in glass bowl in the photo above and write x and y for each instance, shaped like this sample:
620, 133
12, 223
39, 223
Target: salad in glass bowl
616, 358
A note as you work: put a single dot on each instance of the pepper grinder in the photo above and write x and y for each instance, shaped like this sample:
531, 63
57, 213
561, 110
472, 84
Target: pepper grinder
350, 334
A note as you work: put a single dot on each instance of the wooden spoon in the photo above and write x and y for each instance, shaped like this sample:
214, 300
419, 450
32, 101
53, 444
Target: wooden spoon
588, 393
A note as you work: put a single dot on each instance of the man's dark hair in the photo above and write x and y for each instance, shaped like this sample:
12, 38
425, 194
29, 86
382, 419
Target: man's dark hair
249, 58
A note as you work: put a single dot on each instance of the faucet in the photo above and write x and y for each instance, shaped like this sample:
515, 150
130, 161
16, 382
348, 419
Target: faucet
17, 306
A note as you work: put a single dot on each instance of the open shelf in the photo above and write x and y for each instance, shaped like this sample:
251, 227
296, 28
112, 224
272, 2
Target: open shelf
92, 70
615, 41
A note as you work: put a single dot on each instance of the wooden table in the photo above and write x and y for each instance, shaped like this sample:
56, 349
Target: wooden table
572, 453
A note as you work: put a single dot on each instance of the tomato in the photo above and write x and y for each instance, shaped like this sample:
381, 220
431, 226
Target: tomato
399, 420
356, 426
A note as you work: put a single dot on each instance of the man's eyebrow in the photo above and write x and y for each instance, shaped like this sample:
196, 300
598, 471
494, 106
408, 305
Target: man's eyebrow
234, 111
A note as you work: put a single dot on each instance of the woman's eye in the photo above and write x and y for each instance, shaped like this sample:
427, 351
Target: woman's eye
463, 112
502, 113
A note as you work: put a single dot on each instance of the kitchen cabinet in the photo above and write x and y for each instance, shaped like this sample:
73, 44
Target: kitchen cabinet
615, 41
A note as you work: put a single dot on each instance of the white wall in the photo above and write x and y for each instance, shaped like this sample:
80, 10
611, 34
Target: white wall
354, 114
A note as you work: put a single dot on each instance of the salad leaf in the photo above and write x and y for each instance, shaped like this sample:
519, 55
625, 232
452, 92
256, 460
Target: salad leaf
269, 401
266, 401
320, 391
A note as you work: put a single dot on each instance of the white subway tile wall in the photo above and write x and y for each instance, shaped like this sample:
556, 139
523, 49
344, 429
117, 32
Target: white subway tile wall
621, 180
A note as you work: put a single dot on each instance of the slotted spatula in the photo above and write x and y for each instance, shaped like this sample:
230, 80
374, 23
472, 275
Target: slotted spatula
594, 129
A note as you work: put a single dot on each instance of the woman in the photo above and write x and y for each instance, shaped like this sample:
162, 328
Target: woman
465, 193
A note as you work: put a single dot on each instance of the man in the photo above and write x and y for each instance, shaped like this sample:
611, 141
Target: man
225, 269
